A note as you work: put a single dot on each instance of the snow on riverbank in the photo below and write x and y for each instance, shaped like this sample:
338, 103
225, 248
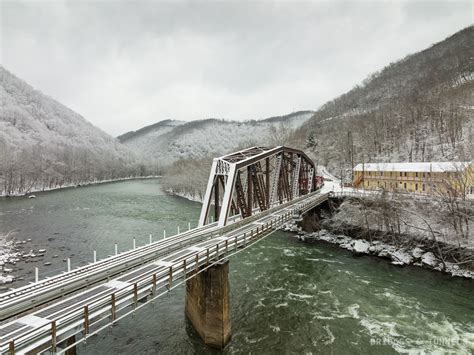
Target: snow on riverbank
80, 184
187, 196
398, 255
9, 254
13, 251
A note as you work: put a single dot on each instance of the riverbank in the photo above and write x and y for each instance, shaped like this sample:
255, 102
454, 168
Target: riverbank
422, 240
420, 255
33, 191
194, 197
404, 230
9, 255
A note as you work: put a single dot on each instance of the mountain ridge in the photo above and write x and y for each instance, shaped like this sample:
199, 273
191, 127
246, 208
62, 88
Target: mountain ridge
44, 144
418, 108
167, 141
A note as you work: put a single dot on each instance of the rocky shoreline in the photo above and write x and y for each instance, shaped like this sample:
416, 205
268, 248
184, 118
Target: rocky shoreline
400, 256
12, 252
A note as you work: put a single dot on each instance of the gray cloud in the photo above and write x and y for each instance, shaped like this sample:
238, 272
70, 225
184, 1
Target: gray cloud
125, 64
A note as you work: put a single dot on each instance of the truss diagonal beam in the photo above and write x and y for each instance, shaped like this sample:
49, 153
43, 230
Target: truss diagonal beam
255, 179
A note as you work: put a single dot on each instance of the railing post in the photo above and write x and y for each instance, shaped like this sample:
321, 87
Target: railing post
226, 246
86, 319
36, 274
184, 268
189, 226
68, 264
164, 233
236, 240
11, 348
135, 294
153, 289
94, 256
112, 306
53, 336
116, 249
151, 238
134, 243
170, 281
245, 238
178, 229
197, 262
207, 256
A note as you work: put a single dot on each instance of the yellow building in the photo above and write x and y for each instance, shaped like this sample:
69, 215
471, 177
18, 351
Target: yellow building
423, 178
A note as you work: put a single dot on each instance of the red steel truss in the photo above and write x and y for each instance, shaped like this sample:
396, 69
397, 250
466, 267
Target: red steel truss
256, 179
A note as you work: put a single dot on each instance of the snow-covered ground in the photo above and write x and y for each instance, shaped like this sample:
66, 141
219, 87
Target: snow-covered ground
9, 255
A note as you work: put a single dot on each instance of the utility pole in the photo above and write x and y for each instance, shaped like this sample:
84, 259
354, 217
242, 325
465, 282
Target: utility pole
350, 144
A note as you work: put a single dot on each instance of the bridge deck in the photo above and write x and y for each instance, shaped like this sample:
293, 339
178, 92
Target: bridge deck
150, 272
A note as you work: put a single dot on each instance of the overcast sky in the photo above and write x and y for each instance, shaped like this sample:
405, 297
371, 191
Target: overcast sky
127, 64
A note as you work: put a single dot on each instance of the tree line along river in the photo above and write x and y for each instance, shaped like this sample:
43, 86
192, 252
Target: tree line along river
286, 296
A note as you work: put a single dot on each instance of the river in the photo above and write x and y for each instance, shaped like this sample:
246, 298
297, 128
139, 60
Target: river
287, 297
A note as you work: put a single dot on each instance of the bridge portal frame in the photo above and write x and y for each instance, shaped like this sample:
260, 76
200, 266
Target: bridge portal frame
293, 174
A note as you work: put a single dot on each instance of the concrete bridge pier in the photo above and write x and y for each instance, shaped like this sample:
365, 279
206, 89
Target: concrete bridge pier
208, 306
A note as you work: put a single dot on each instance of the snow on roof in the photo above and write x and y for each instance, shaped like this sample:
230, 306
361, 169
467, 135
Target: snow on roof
435, 167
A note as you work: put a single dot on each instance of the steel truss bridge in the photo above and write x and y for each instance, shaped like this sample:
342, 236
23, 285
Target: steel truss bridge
250, 194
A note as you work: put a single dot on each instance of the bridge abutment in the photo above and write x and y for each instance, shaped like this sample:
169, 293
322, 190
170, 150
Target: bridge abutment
208, 306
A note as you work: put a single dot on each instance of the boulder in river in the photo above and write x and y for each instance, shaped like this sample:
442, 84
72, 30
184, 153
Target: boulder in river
429, 259
400, 257
417, 252
361, 246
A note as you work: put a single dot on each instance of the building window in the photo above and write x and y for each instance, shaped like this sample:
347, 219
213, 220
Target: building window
416, 174
405, 185
423, 187
416, 187
400, 173
381, 173
424, 174
405, 173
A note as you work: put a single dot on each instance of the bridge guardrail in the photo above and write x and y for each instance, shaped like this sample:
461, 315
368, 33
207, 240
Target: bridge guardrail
100, 310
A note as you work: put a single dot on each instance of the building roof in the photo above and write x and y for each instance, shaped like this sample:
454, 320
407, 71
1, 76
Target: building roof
436, 167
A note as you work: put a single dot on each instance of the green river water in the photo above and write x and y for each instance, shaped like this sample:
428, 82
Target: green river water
287, 297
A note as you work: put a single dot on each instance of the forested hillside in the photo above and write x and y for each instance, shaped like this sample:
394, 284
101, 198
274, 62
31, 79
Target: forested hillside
169, 141
420, 108
43, 144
